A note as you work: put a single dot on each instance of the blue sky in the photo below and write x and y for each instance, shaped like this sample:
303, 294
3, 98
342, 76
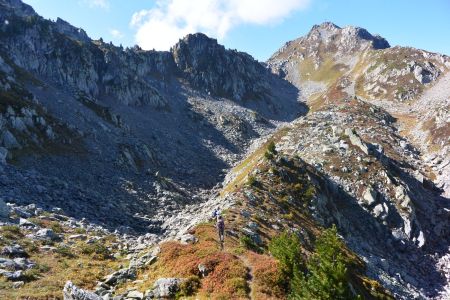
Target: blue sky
258, 27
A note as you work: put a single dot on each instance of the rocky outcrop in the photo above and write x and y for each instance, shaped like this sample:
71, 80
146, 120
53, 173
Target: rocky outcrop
72, 292
226, 73
356, 140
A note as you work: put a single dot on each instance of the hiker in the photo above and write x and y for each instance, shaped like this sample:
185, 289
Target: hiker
220, 229
216, 213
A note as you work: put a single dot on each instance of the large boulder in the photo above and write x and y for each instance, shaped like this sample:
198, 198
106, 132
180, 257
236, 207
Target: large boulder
45, 234
356, 140
13, 251
9, 141
72, 292
120, 276
166, 287
370, 196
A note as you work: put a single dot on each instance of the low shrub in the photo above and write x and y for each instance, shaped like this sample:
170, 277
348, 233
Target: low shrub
56, 227
35, 273
271, 148
189, 287
268, 281
65, 251
251, 181
97, 249
11, 232
80, 230
249, 244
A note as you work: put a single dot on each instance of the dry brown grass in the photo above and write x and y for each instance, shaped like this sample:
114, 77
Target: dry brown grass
227, 273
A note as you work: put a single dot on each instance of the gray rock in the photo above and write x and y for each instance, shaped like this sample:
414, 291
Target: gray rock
45, 234
356, 140
14, 251
22, 212
72, 292
6, 263
12, 276
135, 295
166, 287
4, 210
25, 223
18, 124
9, 141
23, 263
370, 196
81, 237
204, 271
378, 210
327, 149
188, 239
18, 284
120, 276
252, 234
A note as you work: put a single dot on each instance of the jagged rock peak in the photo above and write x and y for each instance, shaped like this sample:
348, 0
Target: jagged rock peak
325, 26
190, 50
221, 72
350, 35
198, 38
68, 29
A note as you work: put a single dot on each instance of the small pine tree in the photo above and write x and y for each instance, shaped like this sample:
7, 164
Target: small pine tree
287, 249
271, 148
327, 276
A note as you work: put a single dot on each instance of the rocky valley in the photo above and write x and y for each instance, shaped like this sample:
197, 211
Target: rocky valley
113, 159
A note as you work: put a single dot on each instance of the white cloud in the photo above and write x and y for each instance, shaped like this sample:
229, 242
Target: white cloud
116, 33
162, 26
104, 4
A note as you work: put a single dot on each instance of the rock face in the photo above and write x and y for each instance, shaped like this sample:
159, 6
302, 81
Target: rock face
205, 63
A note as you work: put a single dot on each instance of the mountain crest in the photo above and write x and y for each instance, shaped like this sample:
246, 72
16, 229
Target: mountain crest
347, 39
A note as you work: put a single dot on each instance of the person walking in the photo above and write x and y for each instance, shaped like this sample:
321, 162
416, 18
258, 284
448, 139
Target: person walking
221, 230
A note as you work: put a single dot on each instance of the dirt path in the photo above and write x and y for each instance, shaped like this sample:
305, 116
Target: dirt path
249, 275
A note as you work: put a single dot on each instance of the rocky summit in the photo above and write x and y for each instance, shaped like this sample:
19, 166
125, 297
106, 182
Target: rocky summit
329, 161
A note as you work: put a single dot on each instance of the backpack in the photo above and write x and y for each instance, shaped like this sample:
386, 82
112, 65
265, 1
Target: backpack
220, 225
